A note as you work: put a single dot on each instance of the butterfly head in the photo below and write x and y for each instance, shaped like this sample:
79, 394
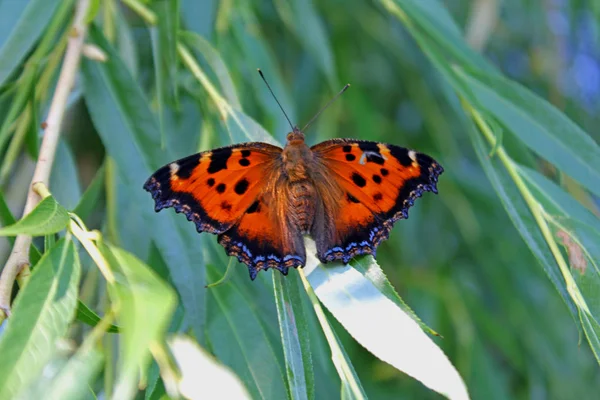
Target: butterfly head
295, 137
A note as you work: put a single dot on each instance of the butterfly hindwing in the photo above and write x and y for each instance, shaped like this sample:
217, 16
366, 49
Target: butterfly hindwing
378, 184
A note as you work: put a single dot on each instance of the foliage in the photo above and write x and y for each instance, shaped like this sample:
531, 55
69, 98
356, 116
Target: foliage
117, 300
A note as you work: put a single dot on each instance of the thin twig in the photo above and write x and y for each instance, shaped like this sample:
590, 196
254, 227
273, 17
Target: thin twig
19, 257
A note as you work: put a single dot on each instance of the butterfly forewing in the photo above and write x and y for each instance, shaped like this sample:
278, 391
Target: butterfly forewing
214, 188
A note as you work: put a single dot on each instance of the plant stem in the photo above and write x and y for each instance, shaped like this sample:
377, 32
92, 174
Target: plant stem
141, 10
19, 257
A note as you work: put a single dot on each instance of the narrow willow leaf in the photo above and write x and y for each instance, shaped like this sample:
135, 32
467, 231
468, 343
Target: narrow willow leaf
543, 128
215, 62
256, 51
556, 200
6, 218
64, 178
294, 336
145, 306
578, 231
21, 24
67, 378
164, 55
520, 215
311, 33
131, 137
351, 387
381, 326
202, 375
46, 218
199, 15
89, 317
369, 268
433, 19
239, 339
41, 315
92, 195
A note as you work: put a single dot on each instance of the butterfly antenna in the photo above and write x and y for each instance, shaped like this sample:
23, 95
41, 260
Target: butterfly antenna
326, 105
278, 103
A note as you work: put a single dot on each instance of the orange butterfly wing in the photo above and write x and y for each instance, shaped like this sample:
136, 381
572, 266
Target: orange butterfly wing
226, 192
379, 183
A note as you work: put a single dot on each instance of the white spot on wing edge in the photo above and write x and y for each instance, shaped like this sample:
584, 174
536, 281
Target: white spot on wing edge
412, 155
174, 167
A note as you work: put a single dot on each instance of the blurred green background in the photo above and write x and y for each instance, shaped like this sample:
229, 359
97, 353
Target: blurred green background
458, 261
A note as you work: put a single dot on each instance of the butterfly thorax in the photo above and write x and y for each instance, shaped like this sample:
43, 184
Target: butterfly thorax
300, 191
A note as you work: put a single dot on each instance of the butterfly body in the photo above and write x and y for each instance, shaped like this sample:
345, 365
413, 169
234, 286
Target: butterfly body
261, 200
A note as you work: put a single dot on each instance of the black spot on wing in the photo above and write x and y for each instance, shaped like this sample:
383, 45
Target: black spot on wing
351, 198
347, 148
372, 152
221, 187
254, 208
218, 159
241, 186
244, 162
376, 179
246, 153
358, 179
368, 146
225, 206
210, 182
376, 158
350, 157
384, 172
400, 154
187, 166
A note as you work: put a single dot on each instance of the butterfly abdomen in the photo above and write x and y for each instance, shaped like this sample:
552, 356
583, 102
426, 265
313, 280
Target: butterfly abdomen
302, 198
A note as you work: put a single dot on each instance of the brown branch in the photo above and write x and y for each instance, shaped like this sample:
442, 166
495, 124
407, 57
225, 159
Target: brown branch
19, 257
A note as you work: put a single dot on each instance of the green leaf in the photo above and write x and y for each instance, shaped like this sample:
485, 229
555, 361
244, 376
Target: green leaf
67, 378
578, 230
6, 218
520, 215
199, 15
294, 336
556, 201
351, 386
21, 25
257, 52
145, 305
382, 327
131, 137
213, 58
201, 375
89, 317
46, 218
88, 202
369, 268
41, 315
239, 340
433, 20
311, 33
543, 128
64, 178
164, 52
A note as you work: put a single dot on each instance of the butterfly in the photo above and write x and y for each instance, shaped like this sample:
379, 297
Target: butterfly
261, 199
